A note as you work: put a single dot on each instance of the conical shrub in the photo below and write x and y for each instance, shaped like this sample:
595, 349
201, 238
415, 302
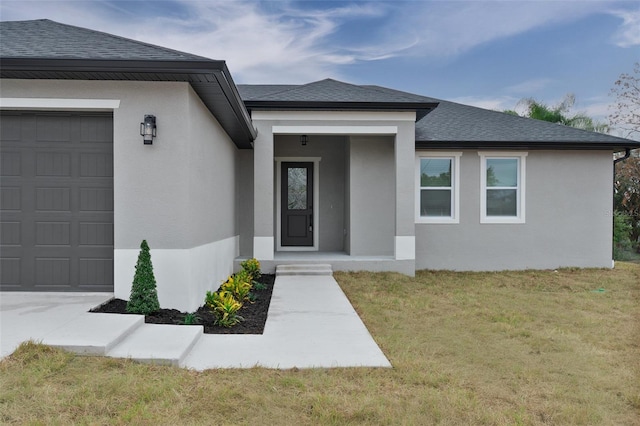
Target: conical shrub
144, 297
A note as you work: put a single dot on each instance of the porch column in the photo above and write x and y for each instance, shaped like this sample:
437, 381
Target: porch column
405, 240
263, 241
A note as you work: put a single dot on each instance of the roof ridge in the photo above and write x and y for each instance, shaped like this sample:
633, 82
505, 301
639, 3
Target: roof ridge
300, 86
122, 38
317, 82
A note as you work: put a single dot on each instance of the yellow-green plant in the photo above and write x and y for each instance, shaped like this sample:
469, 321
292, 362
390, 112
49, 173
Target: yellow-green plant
239, 285
252, 268
225, 307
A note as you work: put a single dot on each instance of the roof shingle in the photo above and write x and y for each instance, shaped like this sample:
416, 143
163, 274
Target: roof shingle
451, 123
44, 38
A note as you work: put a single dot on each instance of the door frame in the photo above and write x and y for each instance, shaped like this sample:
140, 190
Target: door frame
316, 202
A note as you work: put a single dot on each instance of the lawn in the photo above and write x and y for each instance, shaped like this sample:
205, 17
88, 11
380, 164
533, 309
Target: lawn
535, 347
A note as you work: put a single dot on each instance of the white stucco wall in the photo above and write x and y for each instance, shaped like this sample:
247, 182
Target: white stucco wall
568, 200
178, 194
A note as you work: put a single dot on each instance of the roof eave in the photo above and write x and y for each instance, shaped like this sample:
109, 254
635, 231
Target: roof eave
112, 65
533, 145
421, 108
200, 74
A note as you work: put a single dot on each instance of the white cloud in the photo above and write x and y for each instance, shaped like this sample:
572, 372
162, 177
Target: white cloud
276, 44
597, 108
500, 103
297, 42
450, 28
628, 34
529, 86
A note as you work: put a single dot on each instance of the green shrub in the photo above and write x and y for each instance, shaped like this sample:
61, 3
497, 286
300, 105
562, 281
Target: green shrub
239, 285
144, 297
252, 268
225, 307
259, 286
191, 319
621, 235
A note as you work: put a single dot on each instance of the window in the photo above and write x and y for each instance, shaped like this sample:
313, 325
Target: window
437, 187
502, 187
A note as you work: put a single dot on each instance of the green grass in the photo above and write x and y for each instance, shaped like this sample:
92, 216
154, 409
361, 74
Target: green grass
511, 348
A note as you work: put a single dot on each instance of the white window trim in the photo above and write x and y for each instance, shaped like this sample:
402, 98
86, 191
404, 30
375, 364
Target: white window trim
521, 189
316, 202
455, 187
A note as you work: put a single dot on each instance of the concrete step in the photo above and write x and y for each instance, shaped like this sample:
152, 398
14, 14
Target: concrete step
159, 343
300, 269
94, 333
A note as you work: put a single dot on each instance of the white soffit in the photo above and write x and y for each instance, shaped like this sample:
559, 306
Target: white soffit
335, 115
335, 130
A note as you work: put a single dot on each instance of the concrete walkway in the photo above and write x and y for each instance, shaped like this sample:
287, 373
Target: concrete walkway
310, 324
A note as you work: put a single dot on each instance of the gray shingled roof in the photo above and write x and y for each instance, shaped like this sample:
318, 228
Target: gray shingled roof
256, 92
453, 122
45, 49
44, 38
329, 90
450, 124
331, 94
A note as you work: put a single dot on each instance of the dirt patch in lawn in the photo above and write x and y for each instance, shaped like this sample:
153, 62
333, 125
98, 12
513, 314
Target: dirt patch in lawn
254, 314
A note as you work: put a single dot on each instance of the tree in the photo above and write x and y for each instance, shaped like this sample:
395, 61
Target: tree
626, 111
626, 198
626, 117
144, 297
561, 114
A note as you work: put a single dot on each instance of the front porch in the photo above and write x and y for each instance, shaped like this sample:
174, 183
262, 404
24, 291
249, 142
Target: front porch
339, 261
331, 188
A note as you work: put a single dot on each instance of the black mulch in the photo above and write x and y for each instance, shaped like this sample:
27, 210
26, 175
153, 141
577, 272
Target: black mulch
254, 314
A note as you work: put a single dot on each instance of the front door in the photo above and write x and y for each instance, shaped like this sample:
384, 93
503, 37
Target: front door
297, 204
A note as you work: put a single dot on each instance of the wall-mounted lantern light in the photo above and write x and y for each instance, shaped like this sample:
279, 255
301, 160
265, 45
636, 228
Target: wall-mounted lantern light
304, 139
148, 129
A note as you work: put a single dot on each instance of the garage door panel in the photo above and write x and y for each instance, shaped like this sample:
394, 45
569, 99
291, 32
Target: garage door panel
96, 234
53, 128
56, 196
10, 272
94, 164
53, 271
11, 198
96, 129
53, 199
10, 233
95, 272
11, 129
10, 163
96, 199
53, 164
53, 234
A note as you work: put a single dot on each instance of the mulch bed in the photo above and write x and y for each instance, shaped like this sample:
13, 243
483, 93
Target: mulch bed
254, 314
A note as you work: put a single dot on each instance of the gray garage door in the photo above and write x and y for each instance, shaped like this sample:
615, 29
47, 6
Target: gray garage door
56, 201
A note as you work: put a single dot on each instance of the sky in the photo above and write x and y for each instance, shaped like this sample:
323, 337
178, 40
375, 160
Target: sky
484, 53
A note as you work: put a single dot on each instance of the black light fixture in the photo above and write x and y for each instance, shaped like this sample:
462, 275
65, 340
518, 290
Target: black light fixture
148, 129
304, 139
